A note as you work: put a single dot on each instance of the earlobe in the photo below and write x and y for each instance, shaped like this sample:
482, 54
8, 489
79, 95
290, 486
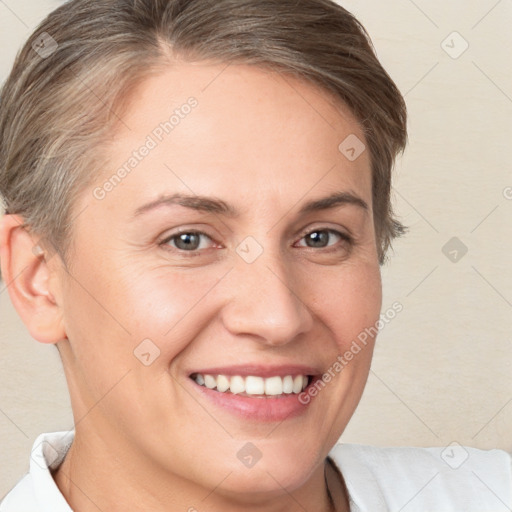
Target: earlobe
29, 280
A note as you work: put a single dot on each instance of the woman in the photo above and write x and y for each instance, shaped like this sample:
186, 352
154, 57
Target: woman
198, 204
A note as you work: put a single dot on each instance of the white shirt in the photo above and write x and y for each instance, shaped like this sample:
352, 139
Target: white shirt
451, 479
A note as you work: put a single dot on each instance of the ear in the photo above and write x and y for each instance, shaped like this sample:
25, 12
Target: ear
30, 281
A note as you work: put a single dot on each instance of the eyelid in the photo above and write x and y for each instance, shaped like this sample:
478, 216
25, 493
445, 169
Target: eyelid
344, 233
345, 237
194, 231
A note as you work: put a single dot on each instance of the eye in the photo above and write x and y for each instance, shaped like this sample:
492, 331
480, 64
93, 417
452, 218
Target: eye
188, 241
193, 242
321, 238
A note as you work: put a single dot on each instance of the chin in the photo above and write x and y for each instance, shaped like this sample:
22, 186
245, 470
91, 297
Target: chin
268, 467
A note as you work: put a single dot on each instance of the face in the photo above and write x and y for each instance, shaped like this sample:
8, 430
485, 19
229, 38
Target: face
211, 255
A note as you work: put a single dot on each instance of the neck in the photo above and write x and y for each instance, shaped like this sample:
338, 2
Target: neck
100, 475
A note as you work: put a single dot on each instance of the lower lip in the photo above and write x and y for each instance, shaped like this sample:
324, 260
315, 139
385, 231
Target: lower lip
265, 409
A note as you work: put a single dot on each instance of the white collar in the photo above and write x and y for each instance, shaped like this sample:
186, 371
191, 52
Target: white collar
47, 454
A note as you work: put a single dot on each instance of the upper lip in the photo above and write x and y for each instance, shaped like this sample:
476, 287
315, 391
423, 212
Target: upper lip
258, 370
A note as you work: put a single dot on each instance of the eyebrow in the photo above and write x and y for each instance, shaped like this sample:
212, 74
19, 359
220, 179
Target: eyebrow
215, 205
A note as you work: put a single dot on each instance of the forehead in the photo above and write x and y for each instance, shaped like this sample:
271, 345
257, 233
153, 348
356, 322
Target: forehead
234, 129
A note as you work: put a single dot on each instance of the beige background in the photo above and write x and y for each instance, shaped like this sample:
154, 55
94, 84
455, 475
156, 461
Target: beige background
442, 367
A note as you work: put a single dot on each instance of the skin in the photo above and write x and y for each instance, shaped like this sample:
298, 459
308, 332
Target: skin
265, 143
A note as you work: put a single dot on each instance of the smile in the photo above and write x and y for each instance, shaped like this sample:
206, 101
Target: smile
254, 386
256, 392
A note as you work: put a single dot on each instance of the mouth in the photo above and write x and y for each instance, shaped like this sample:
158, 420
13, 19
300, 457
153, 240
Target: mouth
256, 393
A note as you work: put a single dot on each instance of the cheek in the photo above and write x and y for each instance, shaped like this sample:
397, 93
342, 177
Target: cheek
169, 306
119, 312
132, 303
349, 303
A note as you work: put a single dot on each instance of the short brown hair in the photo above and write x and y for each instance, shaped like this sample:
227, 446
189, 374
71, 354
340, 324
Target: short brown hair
61, 100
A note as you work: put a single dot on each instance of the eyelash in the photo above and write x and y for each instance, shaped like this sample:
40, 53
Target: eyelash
197, 252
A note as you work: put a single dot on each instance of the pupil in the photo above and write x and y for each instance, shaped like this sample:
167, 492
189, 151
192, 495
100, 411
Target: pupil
319, 238
188, 241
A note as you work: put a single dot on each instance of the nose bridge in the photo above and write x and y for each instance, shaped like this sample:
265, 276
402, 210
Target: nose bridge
264, 301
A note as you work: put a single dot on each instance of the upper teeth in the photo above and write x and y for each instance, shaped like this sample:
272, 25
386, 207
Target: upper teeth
253, 385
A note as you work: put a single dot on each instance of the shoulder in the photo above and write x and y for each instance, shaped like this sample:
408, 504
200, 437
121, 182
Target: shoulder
413, 479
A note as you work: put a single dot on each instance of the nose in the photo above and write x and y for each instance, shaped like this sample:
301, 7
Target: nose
265, 302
